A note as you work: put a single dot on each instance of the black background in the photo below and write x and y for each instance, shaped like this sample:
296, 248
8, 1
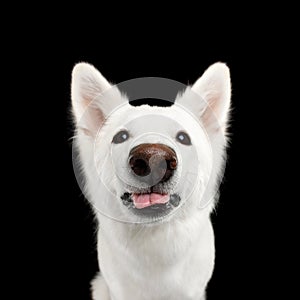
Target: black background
62, 228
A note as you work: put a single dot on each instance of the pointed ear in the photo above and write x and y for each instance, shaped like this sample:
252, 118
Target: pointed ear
214, 89
93, 98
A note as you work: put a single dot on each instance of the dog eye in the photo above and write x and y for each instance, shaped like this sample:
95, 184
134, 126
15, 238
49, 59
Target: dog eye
183, 138
121, 137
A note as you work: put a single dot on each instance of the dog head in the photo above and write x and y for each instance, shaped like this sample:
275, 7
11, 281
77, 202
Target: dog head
144, 163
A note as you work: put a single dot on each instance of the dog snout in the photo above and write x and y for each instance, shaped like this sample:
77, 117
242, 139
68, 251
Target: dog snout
153, 163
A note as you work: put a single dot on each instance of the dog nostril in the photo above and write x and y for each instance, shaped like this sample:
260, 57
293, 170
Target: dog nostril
172, 164
139, 166
170, 167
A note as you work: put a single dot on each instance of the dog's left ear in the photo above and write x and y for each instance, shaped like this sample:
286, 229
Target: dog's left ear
93, 98
213, 105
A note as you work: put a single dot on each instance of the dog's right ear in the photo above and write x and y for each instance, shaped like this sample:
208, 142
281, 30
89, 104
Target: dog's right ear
212, 105
93, 98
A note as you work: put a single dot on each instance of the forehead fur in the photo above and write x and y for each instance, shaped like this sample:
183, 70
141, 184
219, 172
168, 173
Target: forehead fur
176, 112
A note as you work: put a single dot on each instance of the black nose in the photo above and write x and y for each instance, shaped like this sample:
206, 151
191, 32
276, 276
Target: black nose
153, 163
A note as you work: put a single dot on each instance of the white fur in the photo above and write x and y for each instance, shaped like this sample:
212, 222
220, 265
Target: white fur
173, 258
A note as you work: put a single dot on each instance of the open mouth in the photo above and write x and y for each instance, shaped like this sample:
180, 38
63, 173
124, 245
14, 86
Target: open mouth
151, 204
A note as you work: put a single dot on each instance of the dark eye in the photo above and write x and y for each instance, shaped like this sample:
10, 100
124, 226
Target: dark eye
183, 138
121, 137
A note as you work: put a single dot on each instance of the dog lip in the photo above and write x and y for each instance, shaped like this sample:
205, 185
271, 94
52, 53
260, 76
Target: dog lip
126, 199
153, 211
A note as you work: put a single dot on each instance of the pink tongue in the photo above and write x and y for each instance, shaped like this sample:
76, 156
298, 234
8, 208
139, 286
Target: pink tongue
145, 200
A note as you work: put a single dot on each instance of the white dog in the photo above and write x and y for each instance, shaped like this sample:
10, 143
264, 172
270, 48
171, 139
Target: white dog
152, 175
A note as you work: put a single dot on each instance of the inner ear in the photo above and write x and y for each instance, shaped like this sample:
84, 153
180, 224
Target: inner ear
91, 120
212, 113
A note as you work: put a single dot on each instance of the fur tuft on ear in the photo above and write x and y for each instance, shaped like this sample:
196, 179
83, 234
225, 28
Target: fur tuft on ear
214, 89
93, 98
